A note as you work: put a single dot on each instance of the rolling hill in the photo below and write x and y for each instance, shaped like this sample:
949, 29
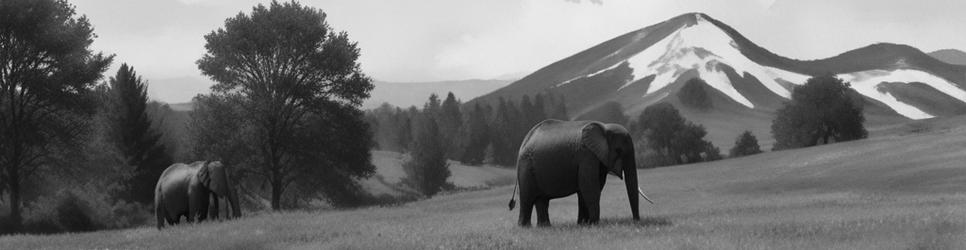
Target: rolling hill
406, 94
746, 83
950, 56
900, 189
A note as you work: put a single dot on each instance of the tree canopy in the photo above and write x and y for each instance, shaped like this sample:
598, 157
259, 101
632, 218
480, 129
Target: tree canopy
745, 144
47, 71
670, 138
427, 170
298, 81
823, 110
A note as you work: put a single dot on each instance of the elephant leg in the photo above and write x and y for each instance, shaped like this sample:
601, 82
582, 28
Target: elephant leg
543, 217
526, 209
159, 214
197, 207
581, 210
172, 220
213, 210
589, 185
528, 190
203, 211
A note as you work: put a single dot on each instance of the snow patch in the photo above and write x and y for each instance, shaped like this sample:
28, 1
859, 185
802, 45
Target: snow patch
705, 48
587, 76
866, 83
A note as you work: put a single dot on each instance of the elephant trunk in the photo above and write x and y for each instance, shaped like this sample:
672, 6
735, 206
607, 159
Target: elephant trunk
630, 182
233, 201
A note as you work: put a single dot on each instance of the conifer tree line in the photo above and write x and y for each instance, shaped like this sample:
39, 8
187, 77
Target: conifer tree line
473, 134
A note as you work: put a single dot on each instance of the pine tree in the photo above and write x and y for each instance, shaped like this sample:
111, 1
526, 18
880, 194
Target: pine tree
745, 144
477, 136
540, 108
134, 136
427, 170
450, 121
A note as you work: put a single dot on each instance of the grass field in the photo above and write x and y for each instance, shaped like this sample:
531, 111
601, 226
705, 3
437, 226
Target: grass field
905, 188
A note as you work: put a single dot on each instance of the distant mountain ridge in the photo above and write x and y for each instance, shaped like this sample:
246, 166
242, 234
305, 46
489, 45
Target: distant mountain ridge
406, 94
747, 83
950, 56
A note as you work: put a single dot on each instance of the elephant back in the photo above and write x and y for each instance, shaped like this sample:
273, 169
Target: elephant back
552, 136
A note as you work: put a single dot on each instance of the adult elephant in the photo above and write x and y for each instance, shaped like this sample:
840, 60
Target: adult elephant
560, 158
186, 189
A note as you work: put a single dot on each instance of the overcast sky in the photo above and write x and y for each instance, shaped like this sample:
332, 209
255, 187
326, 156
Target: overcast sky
432, 40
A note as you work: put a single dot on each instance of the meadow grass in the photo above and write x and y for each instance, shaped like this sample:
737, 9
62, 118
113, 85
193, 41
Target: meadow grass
895, 191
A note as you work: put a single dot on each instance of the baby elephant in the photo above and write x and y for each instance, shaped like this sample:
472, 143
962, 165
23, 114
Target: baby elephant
560, 158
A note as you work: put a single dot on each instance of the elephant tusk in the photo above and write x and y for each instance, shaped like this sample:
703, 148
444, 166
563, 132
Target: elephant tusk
639, 191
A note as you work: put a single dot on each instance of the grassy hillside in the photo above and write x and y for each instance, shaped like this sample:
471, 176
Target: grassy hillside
905, 188
389, 175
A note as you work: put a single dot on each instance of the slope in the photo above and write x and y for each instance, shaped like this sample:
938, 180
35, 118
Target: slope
406, 94
950, 56
901, 189
647, 66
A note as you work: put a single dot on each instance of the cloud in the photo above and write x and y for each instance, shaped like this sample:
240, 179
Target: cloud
544, 32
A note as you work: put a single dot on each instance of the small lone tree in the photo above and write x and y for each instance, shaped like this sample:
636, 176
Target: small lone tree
672, 137
824, 110
427, 169
745, 144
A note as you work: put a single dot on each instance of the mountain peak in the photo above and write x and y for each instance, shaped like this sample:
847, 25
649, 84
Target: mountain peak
688, 19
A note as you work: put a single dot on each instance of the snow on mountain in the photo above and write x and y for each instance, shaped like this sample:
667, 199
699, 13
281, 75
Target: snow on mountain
867, 83
747, 82
705, 48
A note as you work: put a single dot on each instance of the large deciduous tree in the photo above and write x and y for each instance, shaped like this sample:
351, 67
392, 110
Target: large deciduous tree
47, 70
297, 84
668, 135
824, 110
133, 134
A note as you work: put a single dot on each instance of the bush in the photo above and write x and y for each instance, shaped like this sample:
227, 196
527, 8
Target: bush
675, 139
80, 210
745, 144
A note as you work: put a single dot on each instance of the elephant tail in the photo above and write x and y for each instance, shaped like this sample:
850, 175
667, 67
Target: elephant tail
513, 202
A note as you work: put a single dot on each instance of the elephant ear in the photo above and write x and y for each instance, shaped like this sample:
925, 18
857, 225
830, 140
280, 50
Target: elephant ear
204, 174
592, 137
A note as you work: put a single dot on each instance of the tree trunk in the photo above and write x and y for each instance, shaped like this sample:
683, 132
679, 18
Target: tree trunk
15, 216
276, 196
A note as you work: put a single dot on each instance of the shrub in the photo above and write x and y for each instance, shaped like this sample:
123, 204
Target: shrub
745, 144
675, 139
82, 209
